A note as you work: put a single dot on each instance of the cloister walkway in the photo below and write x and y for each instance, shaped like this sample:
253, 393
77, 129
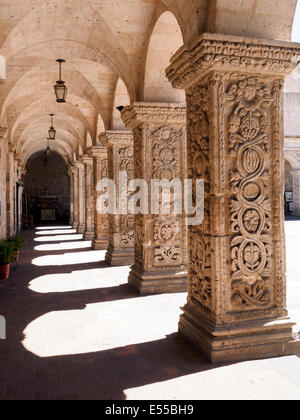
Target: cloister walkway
76, 330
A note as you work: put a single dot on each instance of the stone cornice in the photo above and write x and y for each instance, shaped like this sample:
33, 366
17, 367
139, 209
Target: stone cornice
98, 151
116, 138
230, 53
156, 113
87, 160
79, 165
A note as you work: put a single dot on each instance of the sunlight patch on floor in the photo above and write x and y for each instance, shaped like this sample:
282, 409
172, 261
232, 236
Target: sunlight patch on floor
58, 238
52, 227
56, 232
244, 381
99, 278
70, 258
104, 326
64, 246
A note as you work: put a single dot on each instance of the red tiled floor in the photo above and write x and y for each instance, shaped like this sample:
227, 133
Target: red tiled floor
90, 336
98, 375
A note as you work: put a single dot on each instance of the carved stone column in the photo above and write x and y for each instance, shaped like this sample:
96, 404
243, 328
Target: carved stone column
89, 198
81, 197
101, 236
10, 192
71, 175
74, 182
3, 153
160, 239
236, 307
121, 226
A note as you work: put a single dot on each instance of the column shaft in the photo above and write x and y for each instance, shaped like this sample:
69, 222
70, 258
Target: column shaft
81, 197
72, 219
101, 233
89, 232
74, 171
121, 226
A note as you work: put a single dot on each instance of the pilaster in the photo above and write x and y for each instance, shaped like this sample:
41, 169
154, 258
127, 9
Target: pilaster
160, 239
236, 307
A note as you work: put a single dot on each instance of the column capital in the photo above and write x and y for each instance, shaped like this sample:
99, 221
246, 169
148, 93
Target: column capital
87, 160
3, 132
153, 113
98, 151
231, 53
78, 164
11, 148
116, 138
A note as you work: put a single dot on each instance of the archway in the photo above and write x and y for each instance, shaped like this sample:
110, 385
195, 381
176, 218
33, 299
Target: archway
165, 40
47, 188
289, 190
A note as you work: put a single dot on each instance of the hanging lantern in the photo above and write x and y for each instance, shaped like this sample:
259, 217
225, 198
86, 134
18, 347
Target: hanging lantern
60, 88
52, 131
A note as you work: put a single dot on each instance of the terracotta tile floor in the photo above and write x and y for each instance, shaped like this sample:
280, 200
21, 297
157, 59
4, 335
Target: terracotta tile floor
76, 330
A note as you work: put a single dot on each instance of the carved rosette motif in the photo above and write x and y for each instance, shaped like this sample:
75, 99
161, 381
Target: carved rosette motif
167, 241
250, 203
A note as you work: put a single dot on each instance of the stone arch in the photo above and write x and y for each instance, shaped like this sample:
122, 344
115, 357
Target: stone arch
165, 40
100, 127
259, 19
48, 176
121, 99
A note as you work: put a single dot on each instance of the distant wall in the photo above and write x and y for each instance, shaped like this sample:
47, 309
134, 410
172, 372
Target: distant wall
48, 176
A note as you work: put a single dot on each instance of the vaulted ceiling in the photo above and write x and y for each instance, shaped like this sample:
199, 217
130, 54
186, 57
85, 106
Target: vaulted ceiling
115, 52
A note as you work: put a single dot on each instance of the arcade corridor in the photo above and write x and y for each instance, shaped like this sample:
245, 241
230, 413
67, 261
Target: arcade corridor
77, 330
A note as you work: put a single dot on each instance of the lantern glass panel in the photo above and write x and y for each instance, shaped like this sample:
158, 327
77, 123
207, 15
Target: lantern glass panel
60, 92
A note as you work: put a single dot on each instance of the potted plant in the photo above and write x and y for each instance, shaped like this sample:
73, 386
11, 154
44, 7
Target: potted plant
17, 242
6, 255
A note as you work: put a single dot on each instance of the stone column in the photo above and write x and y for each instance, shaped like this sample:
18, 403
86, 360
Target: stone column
121, 226
71, 175
3, 153
81, 197
74, 182
236, 307
89, 232
10, 188
160, 239
101, 236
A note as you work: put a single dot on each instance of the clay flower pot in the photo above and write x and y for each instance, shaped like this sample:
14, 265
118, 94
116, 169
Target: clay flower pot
4, 271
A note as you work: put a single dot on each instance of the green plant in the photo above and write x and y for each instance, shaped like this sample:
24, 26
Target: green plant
17, 241
6, 252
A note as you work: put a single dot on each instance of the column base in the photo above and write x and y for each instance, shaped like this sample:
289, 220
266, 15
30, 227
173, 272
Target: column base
151, 283
75, 226
88, 236
254, 340
80, 229
119, 257
100, 244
